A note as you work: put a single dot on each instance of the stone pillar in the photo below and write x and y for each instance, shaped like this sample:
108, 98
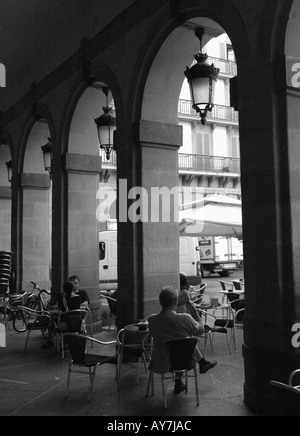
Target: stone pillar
148, 250
35, 250
5, 218
82, 230
270, 180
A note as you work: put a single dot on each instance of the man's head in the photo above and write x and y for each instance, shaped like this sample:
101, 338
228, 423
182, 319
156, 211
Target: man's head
76, 282
168, 298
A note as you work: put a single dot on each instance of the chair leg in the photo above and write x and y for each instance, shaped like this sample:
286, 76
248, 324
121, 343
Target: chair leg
196, 386
228, 342
26, 341
118, 377
69, 380
149, 383
62, 347
164, 392
92, 379
145, 362
138, 370
120, 362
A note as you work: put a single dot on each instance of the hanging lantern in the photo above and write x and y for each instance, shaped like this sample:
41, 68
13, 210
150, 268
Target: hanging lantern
9, 170
106, 125
202, 79
47, 155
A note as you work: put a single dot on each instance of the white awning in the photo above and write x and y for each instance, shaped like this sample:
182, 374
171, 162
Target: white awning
216, 215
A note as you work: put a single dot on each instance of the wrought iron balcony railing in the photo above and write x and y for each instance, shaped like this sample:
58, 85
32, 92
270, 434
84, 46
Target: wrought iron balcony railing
219, 113
228, 68
214, 164
109, 163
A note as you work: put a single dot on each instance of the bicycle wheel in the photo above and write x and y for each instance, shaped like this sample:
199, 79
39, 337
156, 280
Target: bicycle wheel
19, 323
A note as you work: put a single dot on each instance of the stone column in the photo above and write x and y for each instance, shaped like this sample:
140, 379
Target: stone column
5, 218
35, 250
270, 181
148, 250
82, 230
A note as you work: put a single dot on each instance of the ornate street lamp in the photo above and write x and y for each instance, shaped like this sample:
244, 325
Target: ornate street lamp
106, 125
202, 79
47, 155
9, 170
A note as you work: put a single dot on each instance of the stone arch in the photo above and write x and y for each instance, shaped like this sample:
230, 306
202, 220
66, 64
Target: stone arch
98, 73
155, 138
6, 155
42, 116
82, 168
35, 194
173, 34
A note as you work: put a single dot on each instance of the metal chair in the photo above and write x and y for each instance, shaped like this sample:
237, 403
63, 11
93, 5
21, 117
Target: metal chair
112, 304
71, 321
288, 395
35, 320
198, 293
134, 341
223, 320
77, 345
181, 357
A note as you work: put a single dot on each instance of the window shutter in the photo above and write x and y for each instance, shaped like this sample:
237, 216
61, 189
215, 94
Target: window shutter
203, 146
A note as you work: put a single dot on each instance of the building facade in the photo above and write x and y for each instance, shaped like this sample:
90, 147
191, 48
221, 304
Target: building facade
139, 49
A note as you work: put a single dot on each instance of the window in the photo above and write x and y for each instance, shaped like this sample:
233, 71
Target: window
230, 53
203, 144
234, 149
203, 150
101, 250
234, 152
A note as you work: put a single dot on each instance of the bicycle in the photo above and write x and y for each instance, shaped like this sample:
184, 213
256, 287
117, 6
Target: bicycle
38, 302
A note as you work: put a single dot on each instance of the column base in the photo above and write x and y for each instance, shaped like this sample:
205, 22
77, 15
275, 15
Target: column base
262, 366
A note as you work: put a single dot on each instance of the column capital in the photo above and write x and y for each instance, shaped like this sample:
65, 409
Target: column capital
162, 135
35, 181
5, 192
82, 163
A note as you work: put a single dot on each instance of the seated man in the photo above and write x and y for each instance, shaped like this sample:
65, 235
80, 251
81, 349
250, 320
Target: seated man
169, 325
85, 300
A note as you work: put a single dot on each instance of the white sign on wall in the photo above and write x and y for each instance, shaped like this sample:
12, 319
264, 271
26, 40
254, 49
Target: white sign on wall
293, 72
2, 336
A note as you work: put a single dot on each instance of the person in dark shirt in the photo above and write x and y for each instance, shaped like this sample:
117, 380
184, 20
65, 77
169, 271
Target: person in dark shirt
85, 300
69, 300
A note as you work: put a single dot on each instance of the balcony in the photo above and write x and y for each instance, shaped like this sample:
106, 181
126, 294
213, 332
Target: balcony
208, 164
221, 114
112, 163
227, 68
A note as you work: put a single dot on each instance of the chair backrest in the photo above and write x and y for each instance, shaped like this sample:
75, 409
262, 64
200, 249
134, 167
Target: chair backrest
181, 353
112, 303
226, 286
35, 319
77, 347
237, 285
198, 294
73, 319
288, 398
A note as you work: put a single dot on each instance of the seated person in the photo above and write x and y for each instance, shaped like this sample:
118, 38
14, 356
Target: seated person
69, 299
185, 305
169, 325
85, 300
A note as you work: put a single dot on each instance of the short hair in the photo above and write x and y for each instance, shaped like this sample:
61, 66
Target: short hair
73, 278
168, 297
68, 287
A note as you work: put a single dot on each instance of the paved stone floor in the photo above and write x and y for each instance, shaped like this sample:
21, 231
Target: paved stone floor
34, 384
